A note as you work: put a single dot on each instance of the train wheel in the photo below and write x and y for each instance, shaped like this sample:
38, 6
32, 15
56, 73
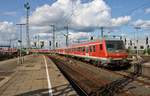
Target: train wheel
99, 63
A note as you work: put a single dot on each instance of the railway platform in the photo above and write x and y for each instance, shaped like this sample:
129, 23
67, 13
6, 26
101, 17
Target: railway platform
37, 76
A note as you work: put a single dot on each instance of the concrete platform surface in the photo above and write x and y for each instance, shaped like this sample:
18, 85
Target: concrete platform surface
37, 76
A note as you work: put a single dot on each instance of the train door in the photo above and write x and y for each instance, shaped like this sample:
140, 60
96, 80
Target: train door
86, 51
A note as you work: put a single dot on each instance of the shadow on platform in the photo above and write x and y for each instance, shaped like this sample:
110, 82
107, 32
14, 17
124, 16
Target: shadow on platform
64, 90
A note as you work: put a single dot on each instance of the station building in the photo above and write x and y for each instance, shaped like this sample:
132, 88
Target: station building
141, 46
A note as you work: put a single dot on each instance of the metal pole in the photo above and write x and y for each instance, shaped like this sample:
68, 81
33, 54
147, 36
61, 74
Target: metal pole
27, 7
67, 36
102, 32
137, 28
20, 41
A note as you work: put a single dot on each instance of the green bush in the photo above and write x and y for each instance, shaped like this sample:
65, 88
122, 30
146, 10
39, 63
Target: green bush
148, 51
129, 50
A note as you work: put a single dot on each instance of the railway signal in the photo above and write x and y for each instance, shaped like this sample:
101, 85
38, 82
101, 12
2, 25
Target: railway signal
147, 44
131, 42
125, 41
42, 44
56, 44
91, 38
34, 44
50, 43
146, 40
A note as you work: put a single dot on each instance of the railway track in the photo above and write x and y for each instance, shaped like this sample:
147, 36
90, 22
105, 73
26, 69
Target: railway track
78, 77
91, 82
139, 77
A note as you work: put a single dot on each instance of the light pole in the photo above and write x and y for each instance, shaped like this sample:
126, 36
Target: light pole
20, 42
27, 7
137, 28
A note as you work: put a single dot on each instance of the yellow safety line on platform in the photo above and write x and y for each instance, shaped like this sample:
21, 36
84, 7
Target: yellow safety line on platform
48, 78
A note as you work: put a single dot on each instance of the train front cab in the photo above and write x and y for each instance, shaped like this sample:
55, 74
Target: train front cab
116, 54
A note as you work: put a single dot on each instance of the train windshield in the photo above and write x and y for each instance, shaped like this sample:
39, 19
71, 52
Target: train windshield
115, 45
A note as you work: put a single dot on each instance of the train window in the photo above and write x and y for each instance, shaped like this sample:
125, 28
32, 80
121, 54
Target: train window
90, 48
115, 45
101, 47
87, 49
94, 48
78, 49
83, 49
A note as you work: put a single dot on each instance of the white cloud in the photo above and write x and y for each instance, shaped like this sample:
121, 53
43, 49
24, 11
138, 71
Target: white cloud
6, 27
7, 32
147, 10
120, 20
81, 18
142, 23
84, 17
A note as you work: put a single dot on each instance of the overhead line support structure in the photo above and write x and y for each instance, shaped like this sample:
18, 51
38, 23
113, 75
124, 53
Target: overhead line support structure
67, 36
27, 7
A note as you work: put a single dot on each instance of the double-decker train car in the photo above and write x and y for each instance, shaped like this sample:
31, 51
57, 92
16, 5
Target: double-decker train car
105, 52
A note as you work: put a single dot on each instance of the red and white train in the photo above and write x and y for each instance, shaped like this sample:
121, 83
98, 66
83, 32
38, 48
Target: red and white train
8, 50
103, 52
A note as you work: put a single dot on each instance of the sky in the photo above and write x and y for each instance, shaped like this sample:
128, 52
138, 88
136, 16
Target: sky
84, 18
